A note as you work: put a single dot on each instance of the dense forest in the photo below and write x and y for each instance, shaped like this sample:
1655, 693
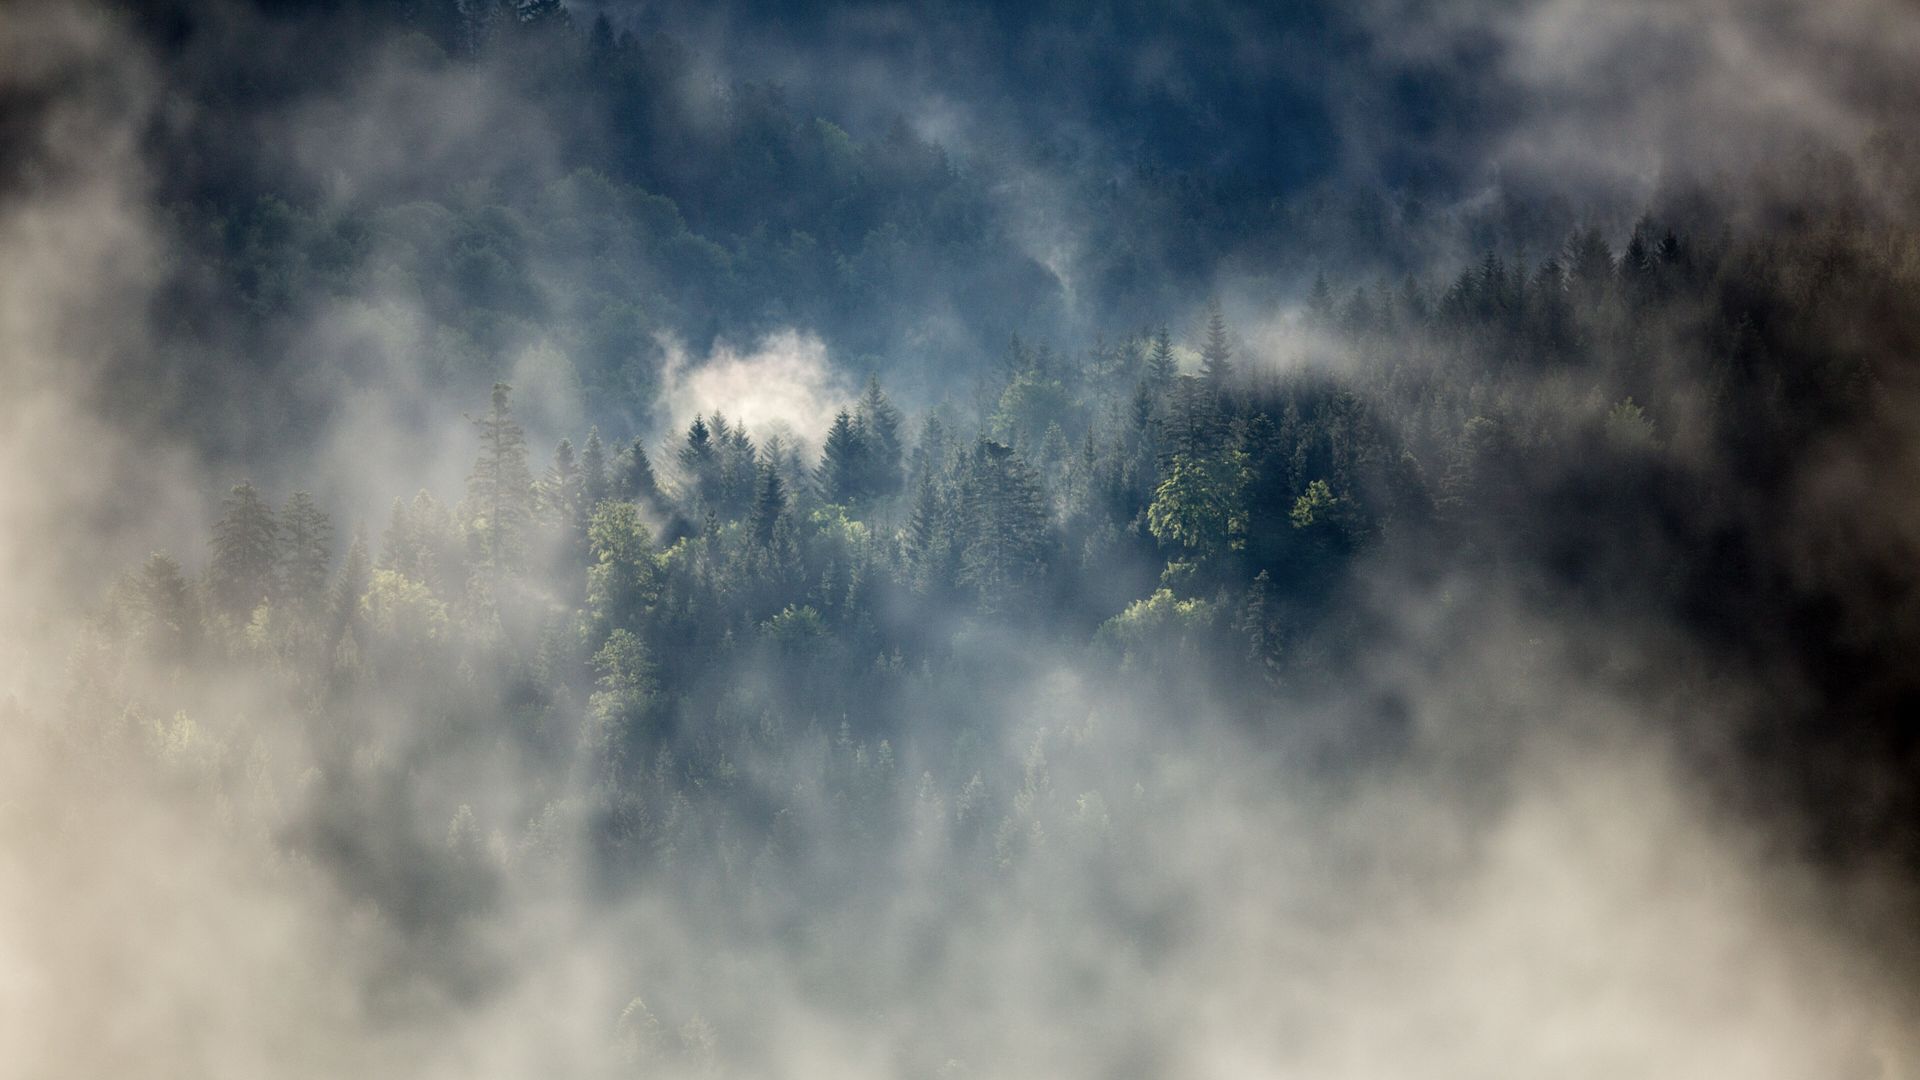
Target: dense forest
1294, 626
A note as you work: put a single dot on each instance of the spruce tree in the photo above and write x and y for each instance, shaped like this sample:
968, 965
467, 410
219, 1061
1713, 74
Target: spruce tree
739, 469
700, 462
500, 489
842, 462
636, 481
245, 549
306, 550
879, 423
593, 471
1216, 353
770, 501
1005, 518
171, 618
1161, 365
561, 489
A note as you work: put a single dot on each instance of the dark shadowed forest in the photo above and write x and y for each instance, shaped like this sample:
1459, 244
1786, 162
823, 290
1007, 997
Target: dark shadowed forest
959, 540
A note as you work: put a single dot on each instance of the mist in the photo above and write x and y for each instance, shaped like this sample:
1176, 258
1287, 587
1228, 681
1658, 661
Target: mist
606, 540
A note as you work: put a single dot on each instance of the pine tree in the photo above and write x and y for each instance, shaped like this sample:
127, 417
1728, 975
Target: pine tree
1006, 526
879, 423
306, 550
561, 495
619, 708
930, 454
422, 543
500, 489
1260, 623
1193, 428
842, 462
769, 503
245, 549
1590, 266
739, 469
926, 533
636, 480
700, 462
593, 471
1161, 365
623, 579
1216, 353
171, 618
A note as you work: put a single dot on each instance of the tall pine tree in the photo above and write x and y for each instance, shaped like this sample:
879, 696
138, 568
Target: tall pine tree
1216, 353
500, 489
842, 462
245, 550
306, 550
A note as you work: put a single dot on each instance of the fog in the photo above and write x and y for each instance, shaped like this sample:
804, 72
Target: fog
1526, 705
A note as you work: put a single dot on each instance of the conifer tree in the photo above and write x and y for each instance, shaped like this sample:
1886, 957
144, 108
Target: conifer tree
561, 496
700, 463
593, 471
500, 489
1006, 526
171, 618
738, 469
842, 462
636, 480
879, 424
1161, 365
926, 531
1259, 622
1216, 353
770, 502
306, 542
623, 578
245, 550
619, 708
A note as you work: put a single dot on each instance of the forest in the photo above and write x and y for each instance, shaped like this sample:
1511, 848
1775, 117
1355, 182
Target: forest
1289, 626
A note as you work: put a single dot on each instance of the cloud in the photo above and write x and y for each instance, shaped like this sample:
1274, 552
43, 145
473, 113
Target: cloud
786, 381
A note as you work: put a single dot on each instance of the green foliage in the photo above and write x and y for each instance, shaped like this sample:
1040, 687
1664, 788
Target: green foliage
795, 629
878, 422
1162, 631
842, 472
635, 480
1031, 402
770, 503
618, 711
1005, 524
623, 577
1198, 504
1315, 505
405, 613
